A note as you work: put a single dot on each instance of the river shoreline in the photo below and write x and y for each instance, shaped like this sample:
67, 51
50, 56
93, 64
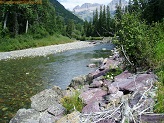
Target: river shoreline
46, 50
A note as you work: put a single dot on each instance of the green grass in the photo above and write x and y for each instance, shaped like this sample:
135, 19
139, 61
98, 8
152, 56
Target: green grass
111, 74
159, 61
27, 41
72, 103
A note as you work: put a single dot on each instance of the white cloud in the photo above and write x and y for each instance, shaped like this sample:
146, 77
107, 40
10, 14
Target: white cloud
70, 4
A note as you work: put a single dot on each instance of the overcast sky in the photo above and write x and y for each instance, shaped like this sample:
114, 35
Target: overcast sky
70, 4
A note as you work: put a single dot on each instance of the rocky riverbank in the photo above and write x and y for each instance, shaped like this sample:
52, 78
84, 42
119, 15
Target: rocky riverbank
43, 51
127, 97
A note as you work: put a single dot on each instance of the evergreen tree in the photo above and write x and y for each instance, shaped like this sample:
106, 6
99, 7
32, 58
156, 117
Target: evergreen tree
108, 17
70, 28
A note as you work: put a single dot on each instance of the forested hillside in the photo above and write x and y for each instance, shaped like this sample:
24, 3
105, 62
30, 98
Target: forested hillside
21, 24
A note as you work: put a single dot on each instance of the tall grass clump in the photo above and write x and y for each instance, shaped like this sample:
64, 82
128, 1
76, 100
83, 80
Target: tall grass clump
72, 103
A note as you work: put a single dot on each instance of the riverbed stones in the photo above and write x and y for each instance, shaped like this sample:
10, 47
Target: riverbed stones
26, 116
46, 98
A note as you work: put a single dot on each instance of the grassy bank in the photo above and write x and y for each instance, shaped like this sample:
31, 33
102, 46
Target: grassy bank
159, 59
26, 41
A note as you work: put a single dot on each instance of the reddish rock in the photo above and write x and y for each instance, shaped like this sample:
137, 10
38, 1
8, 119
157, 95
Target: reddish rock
96, 84
124, 75
105, 67
91, 107
135, 82
112, 89
92, 95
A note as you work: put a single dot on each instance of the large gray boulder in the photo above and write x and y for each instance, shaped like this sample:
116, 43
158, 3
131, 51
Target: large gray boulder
26, 116
46, 98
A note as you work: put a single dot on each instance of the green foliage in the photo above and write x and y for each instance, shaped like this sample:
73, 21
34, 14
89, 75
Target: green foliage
102, 24
138, 40
111, 74
72, 103
159, 107
27, 41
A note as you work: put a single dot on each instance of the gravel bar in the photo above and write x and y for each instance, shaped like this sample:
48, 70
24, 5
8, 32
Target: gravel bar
46, 50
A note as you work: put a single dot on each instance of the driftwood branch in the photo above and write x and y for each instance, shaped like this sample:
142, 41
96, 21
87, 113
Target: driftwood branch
122, 48
123, 112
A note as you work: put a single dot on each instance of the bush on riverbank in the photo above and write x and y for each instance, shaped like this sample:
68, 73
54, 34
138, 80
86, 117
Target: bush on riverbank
27, 41
142, 46
72, 103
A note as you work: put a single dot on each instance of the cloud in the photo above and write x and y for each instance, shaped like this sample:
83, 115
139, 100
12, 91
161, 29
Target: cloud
70, 4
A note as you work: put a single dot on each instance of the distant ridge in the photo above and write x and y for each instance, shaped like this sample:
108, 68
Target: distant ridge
61, 11
86, 10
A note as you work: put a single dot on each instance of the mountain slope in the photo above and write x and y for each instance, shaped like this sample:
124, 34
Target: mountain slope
86, 10
61, 11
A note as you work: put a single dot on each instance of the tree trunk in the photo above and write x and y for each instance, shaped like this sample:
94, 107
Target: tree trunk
16, 26
26, 26
5, 21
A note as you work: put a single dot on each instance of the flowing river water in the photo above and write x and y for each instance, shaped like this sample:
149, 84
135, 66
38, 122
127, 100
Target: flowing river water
22, 78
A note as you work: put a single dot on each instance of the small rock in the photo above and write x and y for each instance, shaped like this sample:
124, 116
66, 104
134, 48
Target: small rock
91, 65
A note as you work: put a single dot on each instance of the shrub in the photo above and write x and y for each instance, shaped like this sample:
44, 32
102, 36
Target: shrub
72, 103
114, 72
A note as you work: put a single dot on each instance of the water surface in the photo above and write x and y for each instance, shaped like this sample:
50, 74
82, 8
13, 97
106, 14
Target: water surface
22, 78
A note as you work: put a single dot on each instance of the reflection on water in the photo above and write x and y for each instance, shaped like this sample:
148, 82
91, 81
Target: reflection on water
22, 78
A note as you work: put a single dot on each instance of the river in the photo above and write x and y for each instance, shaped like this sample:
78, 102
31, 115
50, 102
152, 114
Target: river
22, 78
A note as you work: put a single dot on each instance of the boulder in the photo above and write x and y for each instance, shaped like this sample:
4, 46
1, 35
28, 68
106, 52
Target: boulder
26, 116
79, 81
56, 110
74, 117
91, 65
48, 118
92, 95
134, 83
46, 98
96, 84
123, 75
52, 114
91, 108
112, 89
104, 68
114, 98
